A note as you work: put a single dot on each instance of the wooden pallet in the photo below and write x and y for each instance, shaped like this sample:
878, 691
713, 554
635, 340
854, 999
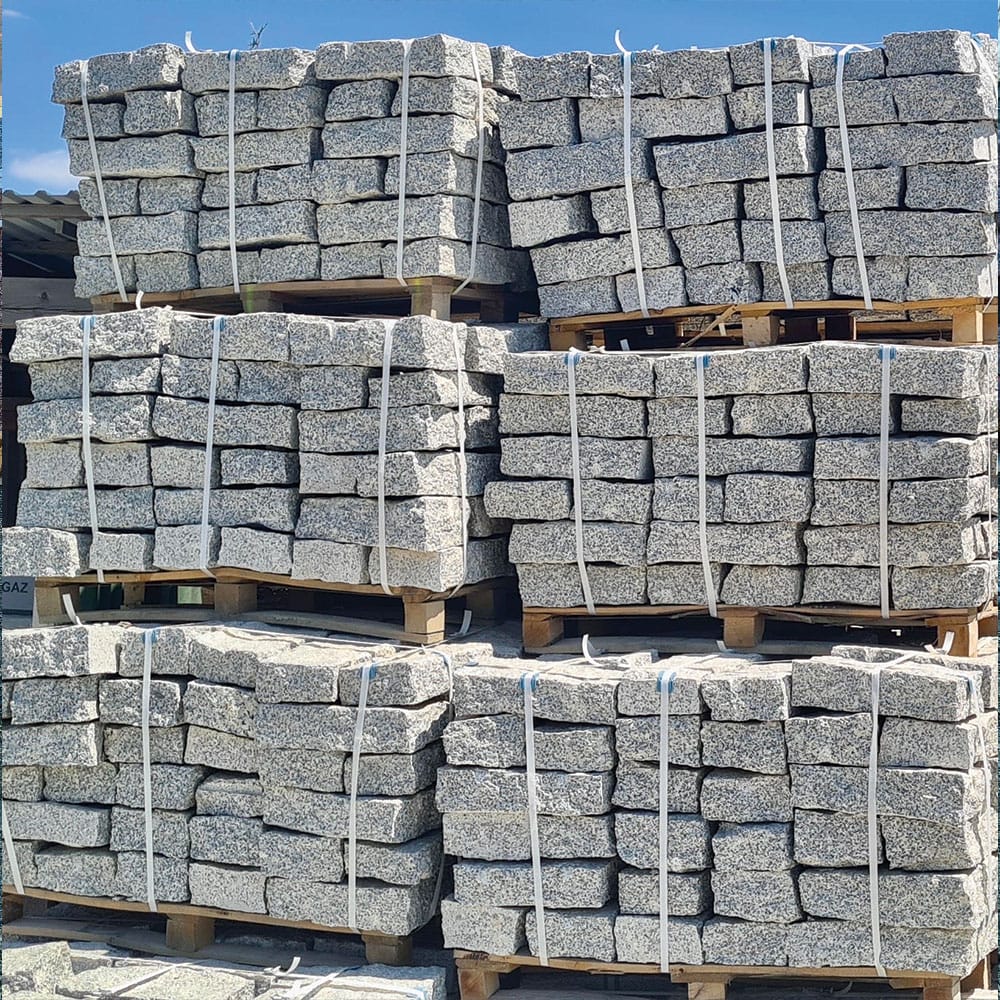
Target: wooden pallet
743, 628
964, 321
189, 928
479, 975
357, 296
241, 594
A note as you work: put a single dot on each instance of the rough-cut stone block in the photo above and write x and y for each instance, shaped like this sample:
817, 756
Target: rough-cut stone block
488, 790
600, 458
552, 587
500, 836
70, 825
740, 797
150, 68
637, 939
228, 887
907, 145
758, 896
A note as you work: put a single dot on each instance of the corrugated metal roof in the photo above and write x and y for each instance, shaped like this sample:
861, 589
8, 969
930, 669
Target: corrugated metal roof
39, 230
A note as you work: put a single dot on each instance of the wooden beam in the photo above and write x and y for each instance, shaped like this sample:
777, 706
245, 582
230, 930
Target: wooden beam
431, 297
761, 331
187, 933
967, 326
425, 619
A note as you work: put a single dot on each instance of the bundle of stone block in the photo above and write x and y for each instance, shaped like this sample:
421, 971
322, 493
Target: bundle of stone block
293, 484
767, 856
253, 741
316, 164
921, 118
791, 505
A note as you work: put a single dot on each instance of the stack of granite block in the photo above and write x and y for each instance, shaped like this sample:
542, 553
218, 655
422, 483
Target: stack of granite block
616, 489
294, 476
941, 539
924, 105
316, 161
768, 852
251, 733
922, 114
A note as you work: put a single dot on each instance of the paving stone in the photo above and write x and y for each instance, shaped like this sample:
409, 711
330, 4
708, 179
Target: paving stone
565, 884
772, 544
525, 125
762, 586
789, 60
494, 930
54, 744
639, 690
866, 102
360, 99
82, 785
544, 373
738, 689
180, 547
637, 939
222, 751
23, 783
740, 797
833, 840
564, 75
553, 542
230, 795
331, 562
639, 738
235, 426
170, 831
851, 413
841, 585
718, 243
64, 699
750, 746
829, 739
433, 55
70, 825
790, 106
550, 586
583, 933
796, 199
887, 277
916, 743
271, 507
548, 457
114, 74
488, 790
759, 896
745, 847
170, 883
676, 498
967, 186
689, 841
862, 65
299, 855
946, 275
260, 551
598, 257
226, 839
173, 785
887, 233
578, 298
653, 118
395, 774
694, 73
425, 134
950, 586
36, 966
736, 158
446, 172
256, 151
488, 344
916, 457
700, 204
227, 887
924, 545
914, 52
637, 786
80, 872
638, 892
736, 942
753, 371
121, 702
285, 222
907, 145
123, 744
753, 498
503, 836
258, 466
66, 651
610, 209
922, 845
401, 864
114, 419
879, 187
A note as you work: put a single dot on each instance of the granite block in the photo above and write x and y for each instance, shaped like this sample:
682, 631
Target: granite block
637, 939
174, 785
227, 887
875, 146
749, 746
153, 67
170, 831
740, 797
83, 785
284, 854
62, 699
566, 885
757, 896
549, 457
503, 836
688, 841
878, 187
495, 930
53, 745
551, 586
230, 795
53, 822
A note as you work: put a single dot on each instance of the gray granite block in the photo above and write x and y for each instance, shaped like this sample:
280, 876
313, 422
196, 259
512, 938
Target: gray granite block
908, 145
173, 785
805, 281
412, 680
757, 896
880, 187
610, 208
271, 507
246, 426
638, 738
789, 60
796, 199
62, 699
750, 746
125, 508
170, 878
301, 769
853, 413
740, 689
360, 99
923, 545
180, 547
637, 939
113, 74
740, 797
212, 112
544, 373
258, 467
554, 542
215, 268
107, 123
688, 841
227, 887
284, 854
901, 234
525, 125
637, 786
502, 836
564, 75
331, 727
676, 499
866, 102
833, 839
230, 795
67, 651
260, 551
551, 586
425, 134
395, 774
333, 388
577, 298
257, 69
151, 112
753, 371
653, 118
175, 232
772, 544
914, 52
384, 820
437, 256
141, 333
680, 584
639, 892
228, 840
947, 276
601, 256
121, 702
220, 707
292, 107
266, 382
113, 419
829, 739
790, 106
495, 930
887, 277
257, 150
916, 743
331, 562
581, 884
23, 783
727, 941
943, 98
862, 65
762, 586
338, 181
488, 344
922, 845
700, 204
54, 822
753, 498
736, 281
549, 457
54, 744
446, 172
718, 243
170, 831
589, 166
575, 933
664, 289
80, 872
285, 222
123, 744
966, 186
943, 586
802, 242
917, 457
597, 416
433, 55
490, 790
736, 158
693, 73
772, 415
84, 785
746, 847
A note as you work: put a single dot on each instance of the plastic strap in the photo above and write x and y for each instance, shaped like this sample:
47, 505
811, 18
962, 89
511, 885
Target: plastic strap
87, 326
772, 173
480, 156
572, 357
232, 58
462, 464
640, 283
529, 682
873, 893
701, 362
665, 686
383, 433
404, 106
218, 325
886, 354
99, 178
978, 709
852, 197
9, 850
367, 673
587, 652
149, 637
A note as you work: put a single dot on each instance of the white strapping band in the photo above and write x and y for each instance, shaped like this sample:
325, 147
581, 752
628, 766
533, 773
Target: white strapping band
572, 357
852, 198
480, 155
99, 179
218, 325
772, 173
9, 850
665, 685
383, 433
462, 464
149, 637
404, 112
367, 673
886, 354
529, 681
233, 57
701, 362
87, 326
873, 844
640, 283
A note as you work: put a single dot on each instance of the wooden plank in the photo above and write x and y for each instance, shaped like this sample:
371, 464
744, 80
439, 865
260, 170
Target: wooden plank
233, 599
539, 629
979, 978
967, 326
761, 331
387, 949
188, 933
477, 984
742, 630
707, 991
432, 297
938, 990
27, 297
425, 619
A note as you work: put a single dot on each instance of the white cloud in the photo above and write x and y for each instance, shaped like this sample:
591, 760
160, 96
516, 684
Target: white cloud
45, 171
16, 14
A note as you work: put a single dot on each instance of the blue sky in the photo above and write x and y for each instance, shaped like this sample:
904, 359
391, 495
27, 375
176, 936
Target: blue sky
38, 34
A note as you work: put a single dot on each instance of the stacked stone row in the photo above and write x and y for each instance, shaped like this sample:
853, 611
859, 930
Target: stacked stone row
767, 826
294, 477
316, 159
922, 117
791, 504
251, 770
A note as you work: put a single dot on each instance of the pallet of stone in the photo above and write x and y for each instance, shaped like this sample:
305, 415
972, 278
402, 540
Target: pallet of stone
360, 609
953, 321
189, 929
745, 627
439, 297
479, 976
